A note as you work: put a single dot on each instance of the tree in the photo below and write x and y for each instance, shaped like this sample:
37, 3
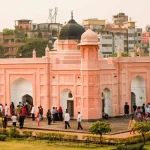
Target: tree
142, 128
8, 31
2, 52
26, 50
115, 55
100, 128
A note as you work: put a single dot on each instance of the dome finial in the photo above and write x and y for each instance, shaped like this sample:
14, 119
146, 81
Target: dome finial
72, 14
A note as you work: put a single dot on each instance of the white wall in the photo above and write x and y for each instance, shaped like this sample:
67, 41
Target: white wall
138, 87
108, 103
63, 99
19, 88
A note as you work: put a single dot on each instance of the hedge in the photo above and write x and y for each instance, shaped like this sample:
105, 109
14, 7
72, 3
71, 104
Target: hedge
131, 147
129, 140
3, 137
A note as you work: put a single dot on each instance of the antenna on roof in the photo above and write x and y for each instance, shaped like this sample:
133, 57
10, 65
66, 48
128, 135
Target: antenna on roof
50, 16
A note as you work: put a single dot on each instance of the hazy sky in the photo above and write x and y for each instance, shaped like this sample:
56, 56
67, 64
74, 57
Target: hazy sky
37, 10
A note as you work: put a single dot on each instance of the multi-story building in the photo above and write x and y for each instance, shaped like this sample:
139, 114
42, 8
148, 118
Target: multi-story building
146, 39
23, 25
134, 35
10, 44
109, 42
119, 19
46, 31
94, 24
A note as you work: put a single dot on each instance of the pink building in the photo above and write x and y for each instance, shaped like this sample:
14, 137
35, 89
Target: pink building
75, 77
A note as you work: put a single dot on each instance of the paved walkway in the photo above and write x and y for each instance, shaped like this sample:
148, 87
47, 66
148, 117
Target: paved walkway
117, 125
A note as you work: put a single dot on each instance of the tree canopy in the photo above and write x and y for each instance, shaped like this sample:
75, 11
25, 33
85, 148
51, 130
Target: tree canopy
26, 50
100, 128
142, 128
2, 52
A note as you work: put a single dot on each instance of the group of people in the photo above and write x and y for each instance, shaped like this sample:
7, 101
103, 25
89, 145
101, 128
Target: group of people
141, 113
23, 110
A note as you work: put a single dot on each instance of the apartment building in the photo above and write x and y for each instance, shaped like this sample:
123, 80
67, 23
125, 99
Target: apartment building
94, 24
46, 31
109, 41
10, 44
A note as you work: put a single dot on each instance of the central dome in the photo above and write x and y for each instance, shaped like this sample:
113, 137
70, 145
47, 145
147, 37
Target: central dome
71, 31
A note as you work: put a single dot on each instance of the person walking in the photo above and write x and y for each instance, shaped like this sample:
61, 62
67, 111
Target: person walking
60, 112
14, 120
126, 109
38, 118
49, 118
18, 110
21, 120
79, 119
12, 109
131, 125
5, 122
135, 109
67, 119
32, 113
6, 110
143, 110
53, 114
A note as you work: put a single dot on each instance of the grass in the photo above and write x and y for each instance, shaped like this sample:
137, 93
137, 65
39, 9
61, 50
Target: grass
43, 145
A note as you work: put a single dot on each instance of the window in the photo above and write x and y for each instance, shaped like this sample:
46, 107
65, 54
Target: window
139, 34
12, 40
139, 41
106, 45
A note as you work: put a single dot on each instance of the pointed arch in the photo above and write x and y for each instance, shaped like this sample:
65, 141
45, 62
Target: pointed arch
67, 101
138, 87
107, 101
19, 88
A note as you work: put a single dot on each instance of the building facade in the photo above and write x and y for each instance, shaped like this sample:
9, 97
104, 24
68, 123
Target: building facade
75, 77
10, 44
109, 42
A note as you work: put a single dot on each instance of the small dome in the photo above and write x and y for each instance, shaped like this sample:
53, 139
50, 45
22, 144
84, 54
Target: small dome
55, 44
71, 31
89, 38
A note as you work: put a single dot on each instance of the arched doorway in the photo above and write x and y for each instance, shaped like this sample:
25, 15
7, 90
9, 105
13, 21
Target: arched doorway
20, 89
106, 102
138, 87
133, 101
27, 99
67, 102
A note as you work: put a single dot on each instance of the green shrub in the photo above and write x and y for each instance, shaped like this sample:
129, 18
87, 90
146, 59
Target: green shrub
131, 147
100, 128
56, 136
3, 137
27, 133
13, 132
4, 132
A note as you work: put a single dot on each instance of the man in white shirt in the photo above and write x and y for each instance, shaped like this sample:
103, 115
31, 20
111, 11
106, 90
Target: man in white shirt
79, 119
33, 113
67, 119
14, 120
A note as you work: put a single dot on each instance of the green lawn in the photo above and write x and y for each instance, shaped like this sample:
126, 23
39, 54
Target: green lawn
42, 145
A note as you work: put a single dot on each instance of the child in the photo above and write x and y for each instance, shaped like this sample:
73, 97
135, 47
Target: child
38, 118
14, 120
